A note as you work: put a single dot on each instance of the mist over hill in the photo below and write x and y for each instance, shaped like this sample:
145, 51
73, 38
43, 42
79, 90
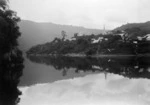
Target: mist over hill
143, 26
34, 33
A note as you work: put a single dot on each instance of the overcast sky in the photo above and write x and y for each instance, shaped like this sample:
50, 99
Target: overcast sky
87, 13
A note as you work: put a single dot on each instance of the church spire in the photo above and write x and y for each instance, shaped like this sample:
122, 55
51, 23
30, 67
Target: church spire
104, 30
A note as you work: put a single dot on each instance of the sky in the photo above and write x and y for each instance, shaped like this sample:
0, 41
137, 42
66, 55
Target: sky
86, 13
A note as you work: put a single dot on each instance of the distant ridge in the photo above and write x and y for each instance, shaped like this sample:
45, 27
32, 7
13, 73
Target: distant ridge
34, 33
143, 26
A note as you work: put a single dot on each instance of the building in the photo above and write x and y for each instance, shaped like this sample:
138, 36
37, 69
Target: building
97, 40
148, 37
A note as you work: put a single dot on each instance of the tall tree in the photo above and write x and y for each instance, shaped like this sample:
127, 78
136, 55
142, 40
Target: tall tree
63, 33
11, 60
9, 30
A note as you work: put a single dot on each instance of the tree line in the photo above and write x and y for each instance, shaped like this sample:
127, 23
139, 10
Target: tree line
112, 43
11, 60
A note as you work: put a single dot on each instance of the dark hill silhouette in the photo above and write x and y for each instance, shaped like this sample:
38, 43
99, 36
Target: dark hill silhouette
143, 26
34, 33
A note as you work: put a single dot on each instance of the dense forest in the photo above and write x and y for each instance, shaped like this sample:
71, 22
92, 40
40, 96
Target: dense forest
129, 41
11, 60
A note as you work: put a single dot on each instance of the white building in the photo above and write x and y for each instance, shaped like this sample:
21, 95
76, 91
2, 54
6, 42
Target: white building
97, 40
148, 37
139, 38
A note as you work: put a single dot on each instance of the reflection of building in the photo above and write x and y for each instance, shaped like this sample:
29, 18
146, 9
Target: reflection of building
130, 67
105, 72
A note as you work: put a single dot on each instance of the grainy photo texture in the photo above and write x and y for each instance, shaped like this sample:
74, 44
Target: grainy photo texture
74, 52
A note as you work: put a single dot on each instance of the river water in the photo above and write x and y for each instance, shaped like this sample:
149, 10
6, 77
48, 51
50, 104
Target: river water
60, 80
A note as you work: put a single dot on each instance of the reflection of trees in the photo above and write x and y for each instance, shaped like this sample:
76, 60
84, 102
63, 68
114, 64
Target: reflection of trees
131, 67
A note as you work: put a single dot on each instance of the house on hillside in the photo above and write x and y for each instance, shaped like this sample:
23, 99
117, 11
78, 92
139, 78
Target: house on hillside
77, 35
109, 32
140, 38
80, 34
146, 37
72, 39
121, 33
97, 40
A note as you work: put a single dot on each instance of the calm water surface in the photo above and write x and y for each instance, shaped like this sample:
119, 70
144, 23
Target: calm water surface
85, 81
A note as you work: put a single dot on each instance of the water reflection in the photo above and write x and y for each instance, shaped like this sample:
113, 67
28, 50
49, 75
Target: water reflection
11, 66
89, 90
131, 67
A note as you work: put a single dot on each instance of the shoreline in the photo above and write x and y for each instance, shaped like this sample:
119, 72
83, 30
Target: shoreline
93, 56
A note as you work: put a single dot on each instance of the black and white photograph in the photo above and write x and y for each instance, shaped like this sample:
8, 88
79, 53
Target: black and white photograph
74, 52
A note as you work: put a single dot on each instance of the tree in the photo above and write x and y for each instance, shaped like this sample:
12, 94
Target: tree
133, 33
9, 30
63, 33
11, 60
75, 35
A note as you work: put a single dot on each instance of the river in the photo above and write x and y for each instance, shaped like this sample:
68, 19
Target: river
48, 80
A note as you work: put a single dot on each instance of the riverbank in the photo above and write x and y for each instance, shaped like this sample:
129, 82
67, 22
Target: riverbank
94, 56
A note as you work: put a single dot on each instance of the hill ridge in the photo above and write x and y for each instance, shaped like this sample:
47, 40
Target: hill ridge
34, 33
143, 26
